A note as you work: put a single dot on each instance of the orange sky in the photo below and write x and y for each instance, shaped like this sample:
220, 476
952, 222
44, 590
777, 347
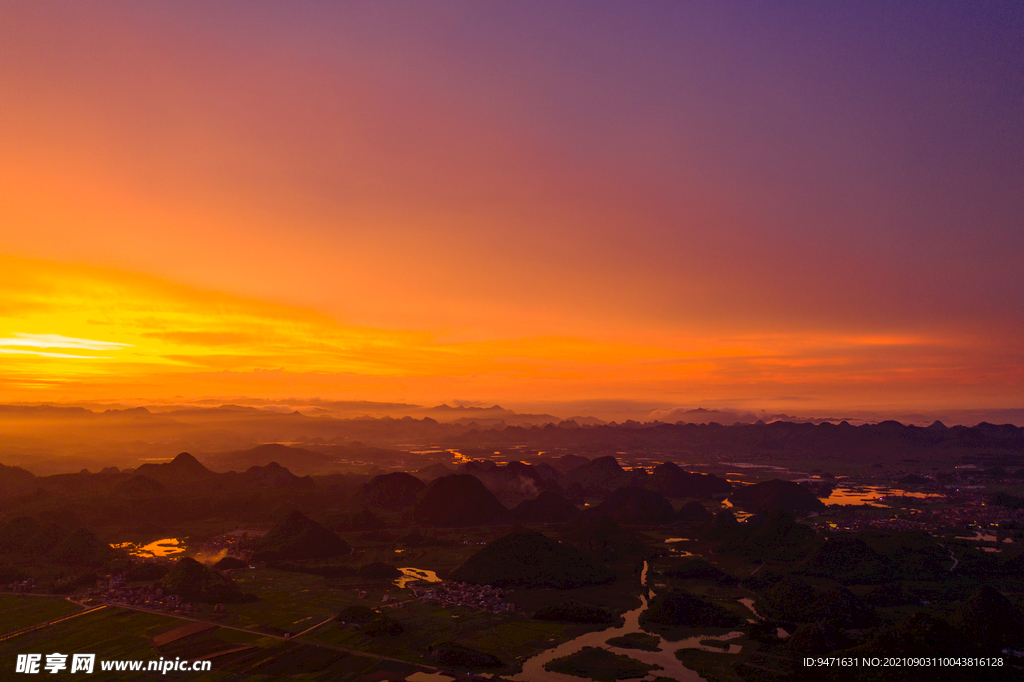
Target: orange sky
353, 204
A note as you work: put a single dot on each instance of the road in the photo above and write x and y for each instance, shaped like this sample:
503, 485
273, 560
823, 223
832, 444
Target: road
40, 626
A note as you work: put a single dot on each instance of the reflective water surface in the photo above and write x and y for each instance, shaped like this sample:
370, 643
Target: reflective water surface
533, 668
166, 547
410, 574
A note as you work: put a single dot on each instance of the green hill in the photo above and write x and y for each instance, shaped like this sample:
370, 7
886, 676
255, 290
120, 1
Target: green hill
531, 559
920, 635
192, 581
600, 475
681, 609
791, 599
670, 480
771, 535
16, 533
817, 638
776, 494
693, 513
603, 537
82, 548
397, 490
722, 526
636, 506
987, 617
696, 568
847, 559
458, 500
598, 664
298, 537
794, 600
364, 519
547, 507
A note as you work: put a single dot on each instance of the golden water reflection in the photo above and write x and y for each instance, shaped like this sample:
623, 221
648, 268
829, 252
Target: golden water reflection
165, 547
870, 495
413, 574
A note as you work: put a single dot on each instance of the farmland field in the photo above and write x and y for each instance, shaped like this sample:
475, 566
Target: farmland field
19, 611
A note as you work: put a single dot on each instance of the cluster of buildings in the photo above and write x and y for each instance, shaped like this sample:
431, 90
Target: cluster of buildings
961, 511
19, 586
114, 591
237, 543
450, 593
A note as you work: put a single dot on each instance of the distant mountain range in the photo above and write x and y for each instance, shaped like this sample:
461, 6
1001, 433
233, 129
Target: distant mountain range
987, 443
51, 439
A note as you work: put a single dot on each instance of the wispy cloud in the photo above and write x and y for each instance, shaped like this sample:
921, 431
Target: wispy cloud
56, 341
22, 351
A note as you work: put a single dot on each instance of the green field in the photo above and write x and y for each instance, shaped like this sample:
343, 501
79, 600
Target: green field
290, 602
121, 634
20, 611
110, 633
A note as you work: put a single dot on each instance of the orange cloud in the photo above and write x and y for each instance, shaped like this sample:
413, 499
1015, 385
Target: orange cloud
76, 331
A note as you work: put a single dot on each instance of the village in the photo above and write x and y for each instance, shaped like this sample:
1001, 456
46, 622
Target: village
113, 590
450, 593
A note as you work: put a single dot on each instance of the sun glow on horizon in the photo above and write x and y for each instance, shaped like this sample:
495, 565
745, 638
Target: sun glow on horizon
173, 339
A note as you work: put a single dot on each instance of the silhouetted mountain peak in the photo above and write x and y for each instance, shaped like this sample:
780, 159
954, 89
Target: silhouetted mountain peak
182, 467
776, 494
187, 462
607, 463
396, 490
671, 481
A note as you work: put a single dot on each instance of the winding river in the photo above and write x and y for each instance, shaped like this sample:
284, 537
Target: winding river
533, 668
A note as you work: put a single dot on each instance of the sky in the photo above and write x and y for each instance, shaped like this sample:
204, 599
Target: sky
792, 206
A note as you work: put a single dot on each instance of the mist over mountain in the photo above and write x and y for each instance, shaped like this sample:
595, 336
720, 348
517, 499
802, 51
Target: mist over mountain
56, 439
298, 460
